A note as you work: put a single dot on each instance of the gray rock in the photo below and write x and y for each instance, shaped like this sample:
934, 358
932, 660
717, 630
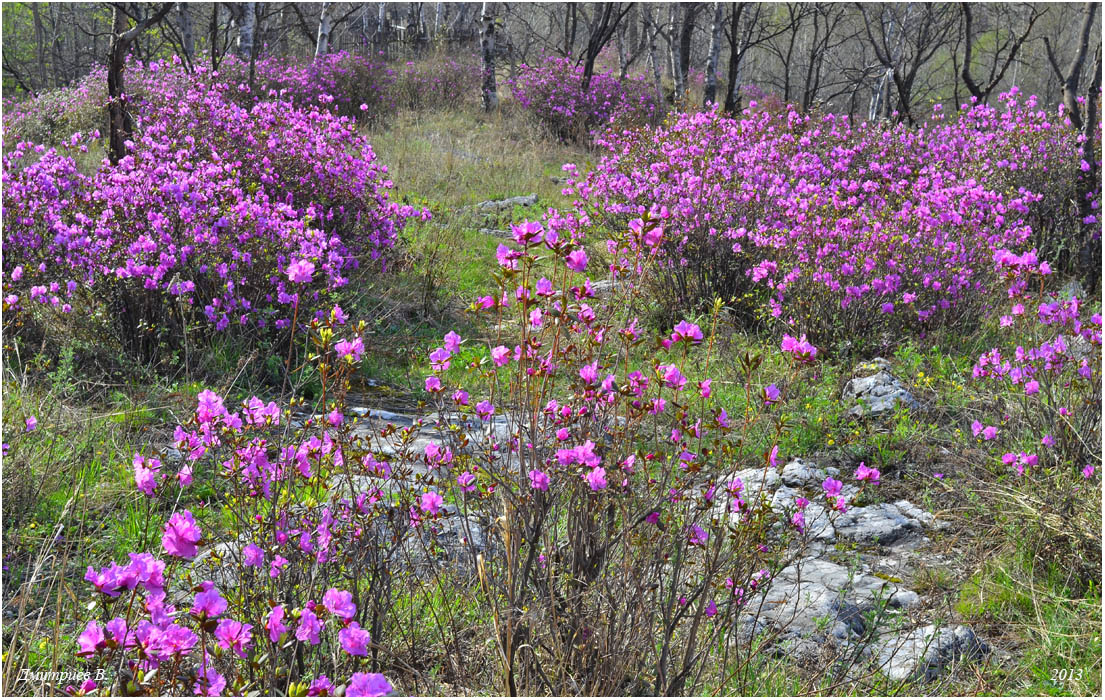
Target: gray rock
508, 203
453, 541
818, 525
603, 288
1072, 289
219, 564
883, 523
800, 473
171, 455
496, 232
817, 600
876, 391
924, 653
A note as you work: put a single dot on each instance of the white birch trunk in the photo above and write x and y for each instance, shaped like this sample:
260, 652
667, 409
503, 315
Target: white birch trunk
246, 25
674, 50
710, 93
487, 46
187, 32
653, 58
325, 25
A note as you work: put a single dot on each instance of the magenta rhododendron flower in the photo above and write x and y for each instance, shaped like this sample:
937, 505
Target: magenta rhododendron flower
278, 564
866, 473
368, 685
340, 604
538, 480
672, 377
527, 232
467, 482
234, 636
484, 409
452, 342
831, 486
697, 536
301, 271
800, 348
431, 502
91, 640
182, 535
771, 394
589, 373
354, 640
596, 479
798, 520
146, 473
500, 355
309, 626
350, 349
320, 687
209, 602
686, 332
274, 623
31, 424
209, 683
252, 555
576, 260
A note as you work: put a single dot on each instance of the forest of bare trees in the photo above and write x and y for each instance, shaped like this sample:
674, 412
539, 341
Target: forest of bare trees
870, 60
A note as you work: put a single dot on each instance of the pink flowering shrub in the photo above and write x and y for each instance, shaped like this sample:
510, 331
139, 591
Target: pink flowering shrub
202, 219
552, 92
360, 87
619, 531
832, 229
440, 82
626, 538
57, 114
1048, 445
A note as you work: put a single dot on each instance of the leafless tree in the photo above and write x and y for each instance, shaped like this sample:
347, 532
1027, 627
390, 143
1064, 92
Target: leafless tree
1004, 54
905, 38
121, 124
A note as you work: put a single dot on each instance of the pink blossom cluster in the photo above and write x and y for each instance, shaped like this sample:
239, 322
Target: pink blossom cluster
828, 226
552, 91
210, 209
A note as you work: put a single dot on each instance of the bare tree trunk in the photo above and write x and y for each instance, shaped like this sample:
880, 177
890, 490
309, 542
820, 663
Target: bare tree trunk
325, 26
382, 27
120, 123
674, 50
623, 58
982, 93
187, 33
487, 48
247, 22
40, 44
686, 35
439, 16
736, 57
709, 96
1069, 80
653, 58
